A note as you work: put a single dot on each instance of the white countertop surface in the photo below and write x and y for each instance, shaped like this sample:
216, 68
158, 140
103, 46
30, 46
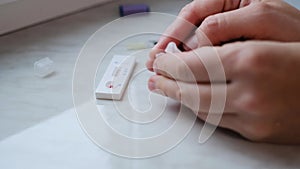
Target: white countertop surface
60, 143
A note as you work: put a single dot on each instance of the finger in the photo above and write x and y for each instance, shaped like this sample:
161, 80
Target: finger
192, 15
197, 97
153, 53
206, 64
228, 120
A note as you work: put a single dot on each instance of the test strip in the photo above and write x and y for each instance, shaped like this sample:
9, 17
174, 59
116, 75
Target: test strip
116, 77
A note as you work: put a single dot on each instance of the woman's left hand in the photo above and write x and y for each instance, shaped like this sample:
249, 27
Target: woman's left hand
263, 87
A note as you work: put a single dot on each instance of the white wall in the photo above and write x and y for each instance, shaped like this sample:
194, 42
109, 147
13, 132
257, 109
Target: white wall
17, 14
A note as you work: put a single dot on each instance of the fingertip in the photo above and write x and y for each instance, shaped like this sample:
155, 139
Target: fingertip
152, 57
160, 45
149, 65
154, 52
151, 84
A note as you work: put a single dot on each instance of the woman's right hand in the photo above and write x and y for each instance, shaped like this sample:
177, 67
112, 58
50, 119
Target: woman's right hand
221, 21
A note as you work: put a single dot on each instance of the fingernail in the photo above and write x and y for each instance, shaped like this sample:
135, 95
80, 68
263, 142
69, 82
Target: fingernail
159, 54
211, 22
151, 86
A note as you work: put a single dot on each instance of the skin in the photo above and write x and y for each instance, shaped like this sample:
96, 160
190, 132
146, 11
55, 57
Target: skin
262, 77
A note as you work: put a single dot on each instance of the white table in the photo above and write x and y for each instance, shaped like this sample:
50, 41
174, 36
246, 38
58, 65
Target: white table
60, 143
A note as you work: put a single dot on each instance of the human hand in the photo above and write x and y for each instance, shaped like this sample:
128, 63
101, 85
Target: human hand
221, 21
262, 78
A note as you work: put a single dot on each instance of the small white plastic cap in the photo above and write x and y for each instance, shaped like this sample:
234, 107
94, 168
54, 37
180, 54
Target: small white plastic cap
172, 48
43, 67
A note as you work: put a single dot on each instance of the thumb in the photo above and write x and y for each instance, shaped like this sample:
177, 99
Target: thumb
224, 27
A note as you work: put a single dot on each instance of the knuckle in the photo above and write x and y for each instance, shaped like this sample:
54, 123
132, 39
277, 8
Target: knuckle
247, 102
265, 9
210, 24
209, 29
264, 5
251, 60
256, 62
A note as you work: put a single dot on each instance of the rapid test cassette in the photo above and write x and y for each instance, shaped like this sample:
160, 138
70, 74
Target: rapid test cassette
116, 77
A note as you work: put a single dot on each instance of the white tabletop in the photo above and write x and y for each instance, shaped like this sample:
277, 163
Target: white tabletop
60, 143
